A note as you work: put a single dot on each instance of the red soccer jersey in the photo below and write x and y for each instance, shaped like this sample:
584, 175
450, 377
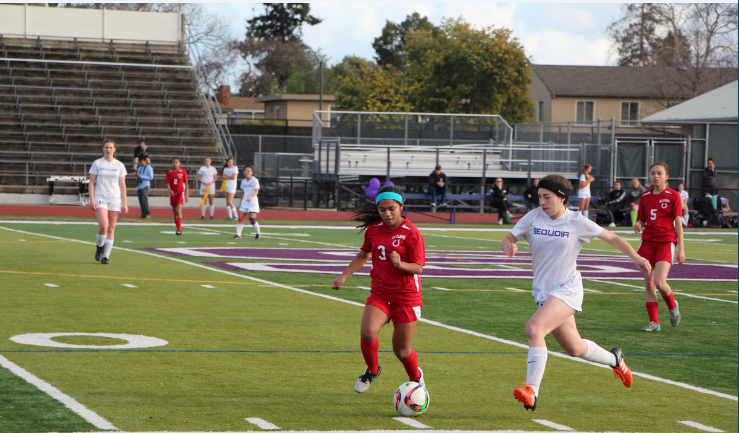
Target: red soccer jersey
658, 211
389, 282
177, 180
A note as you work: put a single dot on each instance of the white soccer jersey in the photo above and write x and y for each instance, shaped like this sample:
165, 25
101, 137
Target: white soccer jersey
107, 188
584, 192
684, 196
231, 183
555, 245
208, 174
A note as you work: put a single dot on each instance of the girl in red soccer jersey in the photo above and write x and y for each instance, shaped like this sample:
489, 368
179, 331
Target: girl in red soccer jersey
178, 191
398, 258
660, 214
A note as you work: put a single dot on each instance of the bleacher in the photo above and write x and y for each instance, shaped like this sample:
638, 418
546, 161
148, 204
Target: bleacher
60, 99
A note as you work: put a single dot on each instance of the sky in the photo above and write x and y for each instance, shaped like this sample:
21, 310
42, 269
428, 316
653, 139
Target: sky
551, 33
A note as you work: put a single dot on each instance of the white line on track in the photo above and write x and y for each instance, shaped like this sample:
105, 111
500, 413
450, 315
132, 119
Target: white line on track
208, 286
430, 322
441, 288
410, 422
262, 424
677, 292
54, 393
131, 286
50, 285
553, 425
700, 426
364, 288
515, 290
591, 290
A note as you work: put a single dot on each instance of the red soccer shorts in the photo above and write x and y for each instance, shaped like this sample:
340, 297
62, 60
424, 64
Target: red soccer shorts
398, 313
178, 198
657, 252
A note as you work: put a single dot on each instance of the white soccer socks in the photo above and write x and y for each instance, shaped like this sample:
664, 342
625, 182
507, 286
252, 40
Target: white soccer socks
239, 228
685, 220
233, 213
107, 248
537, 362
100, 240
202, 211
256, 228
585, 213
598, 354
212, 210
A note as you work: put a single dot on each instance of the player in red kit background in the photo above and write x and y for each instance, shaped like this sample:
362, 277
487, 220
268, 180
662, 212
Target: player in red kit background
398, 258
660, 213
178, 191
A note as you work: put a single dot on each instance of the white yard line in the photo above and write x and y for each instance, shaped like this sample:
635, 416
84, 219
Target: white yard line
441, 288
410, 422
364, 288
700, 426
54, 393
430, 322
553, 425
262, 424
131, 286
208, 286
591, 290
674, 291
515, 290
50, 285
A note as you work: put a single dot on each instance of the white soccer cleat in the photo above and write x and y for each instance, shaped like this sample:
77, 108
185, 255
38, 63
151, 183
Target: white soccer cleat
366, 379
420, 379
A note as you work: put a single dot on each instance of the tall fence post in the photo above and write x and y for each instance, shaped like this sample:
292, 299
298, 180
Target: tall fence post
388, 165
541, 133
598, 132
451, 130
528, 182
337, 194
359, 126
305, 195
437, 155
484, 176
405, 141
260, 143
292, 190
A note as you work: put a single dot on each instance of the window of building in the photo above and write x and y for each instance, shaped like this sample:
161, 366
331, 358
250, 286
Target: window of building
585, 111
629, 113
540, 111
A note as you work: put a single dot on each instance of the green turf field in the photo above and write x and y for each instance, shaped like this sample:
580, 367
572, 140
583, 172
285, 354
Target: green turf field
247, 346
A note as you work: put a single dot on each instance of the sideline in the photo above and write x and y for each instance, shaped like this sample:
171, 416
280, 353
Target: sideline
430, 322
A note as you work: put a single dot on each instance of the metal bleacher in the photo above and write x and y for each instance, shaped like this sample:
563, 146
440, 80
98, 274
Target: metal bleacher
60, 99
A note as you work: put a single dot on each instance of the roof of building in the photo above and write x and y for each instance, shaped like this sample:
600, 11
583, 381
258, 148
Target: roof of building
294, 97
631, 81
717, 105
245, 103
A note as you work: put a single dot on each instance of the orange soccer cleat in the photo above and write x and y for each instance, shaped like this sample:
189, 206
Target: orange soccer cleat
621, 371
526, 396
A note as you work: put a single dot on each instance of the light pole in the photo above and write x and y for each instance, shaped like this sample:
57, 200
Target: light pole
320, 65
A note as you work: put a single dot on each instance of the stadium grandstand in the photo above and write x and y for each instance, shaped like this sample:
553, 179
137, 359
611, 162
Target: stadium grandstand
65, 87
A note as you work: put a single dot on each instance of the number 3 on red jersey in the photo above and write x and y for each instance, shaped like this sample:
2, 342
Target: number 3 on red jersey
382, 256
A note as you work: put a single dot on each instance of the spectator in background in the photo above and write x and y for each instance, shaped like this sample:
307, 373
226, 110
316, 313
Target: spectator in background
709, 178
144, 174
438, 186
633, 197
583, 193
499, 200
684, 197
615, 201
532, 194
141, 152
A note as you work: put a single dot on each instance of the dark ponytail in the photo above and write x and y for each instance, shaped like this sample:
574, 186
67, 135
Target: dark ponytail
367, 213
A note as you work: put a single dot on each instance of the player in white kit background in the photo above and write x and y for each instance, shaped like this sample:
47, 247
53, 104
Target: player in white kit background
207, 175
230, 174
107, 198
556, 236
249, 203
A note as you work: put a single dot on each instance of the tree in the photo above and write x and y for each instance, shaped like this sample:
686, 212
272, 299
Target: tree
375, 89
692, 45
390, 45
281, 21
460, 69
273, 49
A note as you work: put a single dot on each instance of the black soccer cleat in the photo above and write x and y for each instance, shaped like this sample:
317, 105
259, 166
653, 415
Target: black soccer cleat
366, 379
237, 237
178, 233
104, 261
202, 217
258, 236
98, 253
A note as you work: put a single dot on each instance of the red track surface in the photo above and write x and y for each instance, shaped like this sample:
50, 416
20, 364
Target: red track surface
265, 215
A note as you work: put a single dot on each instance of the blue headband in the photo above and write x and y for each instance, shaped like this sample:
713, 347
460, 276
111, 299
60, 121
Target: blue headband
389, 195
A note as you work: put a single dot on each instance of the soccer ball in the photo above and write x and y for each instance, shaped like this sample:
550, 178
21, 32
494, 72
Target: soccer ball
411, 399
